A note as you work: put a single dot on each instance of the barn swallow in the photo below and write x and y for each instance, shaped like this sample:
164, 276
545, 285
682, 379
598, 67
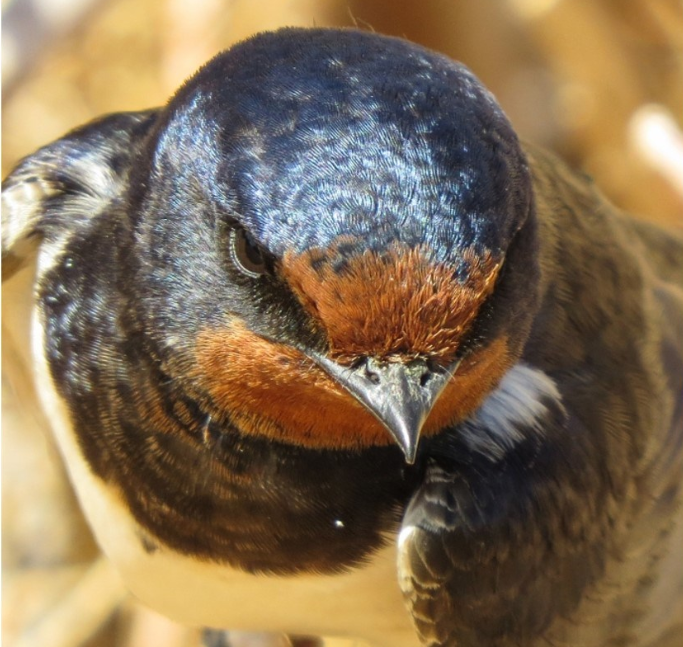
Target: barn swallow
328, 351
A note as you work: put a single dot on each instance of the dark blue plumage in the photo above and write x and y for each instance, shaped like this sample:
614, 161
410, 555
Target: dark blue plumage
424, 153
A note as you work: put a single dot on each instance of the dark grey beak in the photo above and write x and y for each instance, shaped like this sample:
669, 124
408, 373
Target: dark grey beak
399, 395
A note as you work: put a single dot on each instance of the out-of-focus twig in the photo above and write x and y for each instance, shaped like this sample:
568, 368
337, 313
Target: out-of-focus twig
147, 628
81, 612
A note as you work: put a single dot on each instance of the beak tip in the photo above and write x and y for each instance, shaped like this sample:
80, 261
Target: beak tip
410, 457
408, 443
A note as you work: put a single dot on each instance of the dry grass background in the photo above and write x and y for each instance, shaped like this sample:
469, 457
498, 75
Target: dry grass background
599, 81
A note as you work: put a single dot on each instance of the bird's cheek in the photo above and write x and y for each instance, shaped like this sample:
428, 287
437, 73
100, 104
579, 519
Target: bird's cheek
273, 390
476, 377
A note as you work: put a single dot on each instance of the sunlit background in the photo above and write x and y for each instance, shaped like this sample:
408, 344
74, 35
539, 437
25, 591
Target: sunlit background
598, 81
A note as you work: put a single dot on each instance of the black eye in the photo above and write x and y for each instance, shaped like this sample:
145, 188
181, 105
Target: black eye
246, 255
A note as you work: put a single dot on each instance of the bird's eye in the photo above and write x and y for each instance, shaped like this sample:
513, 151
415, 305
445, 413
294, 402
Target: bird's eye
246, 255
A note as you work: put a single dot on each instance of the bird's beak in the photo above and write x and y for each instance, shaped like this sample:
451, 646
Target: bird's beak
400, 395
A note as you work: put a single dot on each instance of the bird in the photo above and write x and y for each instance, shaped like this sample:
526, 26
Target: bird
327, 350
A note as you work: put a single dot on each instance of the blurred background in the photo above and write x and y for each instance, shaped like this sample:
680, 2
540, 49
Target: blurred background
598, 81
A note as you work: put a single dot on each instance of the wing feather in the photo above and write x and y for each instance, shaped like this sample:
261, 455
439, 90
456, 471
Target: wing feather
69, 181
496, 544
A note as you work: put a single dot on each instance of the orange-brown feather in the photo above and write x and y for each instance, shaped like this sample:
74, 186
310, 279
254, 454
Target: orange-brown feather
477, 376
399, 303
273, 390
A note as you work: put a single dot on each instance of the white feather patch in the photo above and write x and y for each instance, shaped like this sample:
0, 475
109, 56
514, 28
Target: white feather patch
518, 406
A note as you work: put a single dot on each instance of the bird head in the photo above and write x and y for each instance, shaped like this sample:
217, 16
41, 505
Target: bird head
334, 240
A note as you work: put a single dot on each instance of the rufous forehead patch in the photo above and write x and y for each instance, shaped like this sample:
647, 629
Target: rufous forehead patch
399, 303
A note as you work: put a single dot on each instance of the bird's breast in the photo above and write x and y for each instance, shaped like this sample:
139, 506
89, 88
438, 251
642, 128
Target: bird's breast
363, 600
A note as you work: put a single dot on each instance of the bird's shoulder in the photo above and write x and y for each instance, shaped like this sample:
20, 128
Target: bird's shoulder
67, 183
563, 489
